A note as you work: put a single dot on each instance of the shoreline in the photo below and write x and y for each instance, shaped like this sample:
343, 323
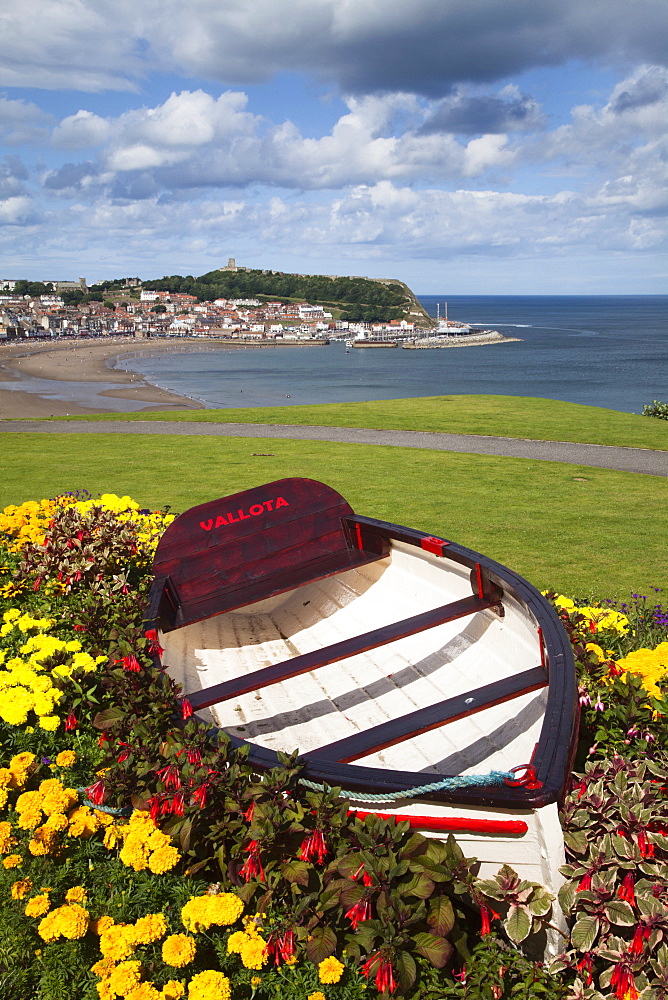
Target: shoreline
79, 365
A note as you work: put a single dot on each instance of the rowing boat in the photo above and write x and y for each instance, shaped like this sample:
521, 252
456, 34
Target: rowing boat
427, 681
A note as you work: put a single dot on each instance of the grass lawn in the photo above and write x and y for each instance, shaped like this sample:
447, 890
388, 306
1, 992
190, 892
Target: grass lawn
503, 416
569, 527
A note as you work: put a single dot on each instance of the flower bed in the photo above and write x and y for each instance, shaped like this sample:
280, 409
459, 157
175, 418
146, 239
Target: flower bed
143, 859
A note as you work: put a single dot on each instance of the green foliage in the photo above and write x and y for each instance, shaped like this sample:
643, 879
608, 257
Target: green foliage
656, 409
498, 971
363, 298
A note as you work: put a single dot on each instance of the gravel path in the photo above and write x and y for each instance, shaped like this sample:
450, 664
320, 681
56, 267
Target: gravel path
646, 462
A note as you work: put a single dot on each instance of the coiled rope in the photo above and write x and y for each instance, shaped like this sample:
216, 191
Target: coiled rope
494, 778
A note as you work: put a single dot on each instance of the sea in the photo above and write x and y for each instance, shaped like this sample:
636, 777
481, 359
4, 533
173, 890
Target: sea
609, 351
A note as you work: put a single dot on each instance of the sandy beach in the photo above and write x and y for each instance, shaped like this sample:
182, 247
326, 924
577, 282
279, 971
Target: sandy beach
24, 364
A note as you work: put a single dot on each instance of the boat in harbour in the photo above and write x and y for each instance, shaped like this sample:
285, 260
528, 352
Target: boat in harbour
426, 680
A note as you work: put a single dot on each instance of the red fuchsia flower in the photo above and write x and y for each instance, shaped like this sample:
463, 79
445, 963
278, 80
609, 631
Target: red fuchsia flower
252, 866
154, 804
123, 755
623, 982
79, 628
640, 935
71, 722
626, 889
314, 847
485, 913
37, 584
102, 739
461, 975
194, 757
644, 846
585, 883
186, 709
385, 982
359, 912
281, 946
586, 965
96, 793
154, 647
200, 794
250, 812
130, 663
178, 804
170, 776
357, 874
614, 670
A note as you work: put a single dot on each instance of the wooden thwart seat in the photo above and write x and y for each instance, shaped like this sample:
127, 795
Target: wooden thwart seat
306, 662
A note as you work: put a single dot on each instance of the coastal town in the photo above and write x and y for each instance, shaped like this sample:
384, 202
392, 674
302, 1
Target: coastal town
142, 313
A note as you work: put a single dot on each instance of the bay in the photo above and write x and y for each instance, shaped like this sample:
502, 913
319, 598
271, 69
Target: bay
609, 351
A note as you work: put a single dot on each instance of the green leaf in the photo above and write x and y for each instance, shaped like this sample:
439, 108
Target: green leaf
434, 948
441, 917
517, 924
620, 912
295, 871
107, 718
576, 841
321, 945
406, 970
584, 932
420, 886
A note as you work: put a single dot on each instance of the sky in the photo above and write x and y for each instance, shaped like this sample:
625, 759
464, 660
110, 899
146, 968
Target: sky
466, 147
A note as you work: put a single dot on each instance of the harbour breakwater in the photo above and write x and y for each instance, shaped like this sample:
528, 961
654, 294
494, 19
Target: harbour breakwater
464, 340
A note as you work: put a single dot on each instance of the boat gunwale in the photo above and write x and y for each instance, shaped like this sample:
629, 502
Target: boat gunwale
552, 758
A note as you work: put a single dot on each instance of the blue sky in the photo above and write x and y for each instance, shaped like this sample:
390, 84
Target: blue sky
463, 146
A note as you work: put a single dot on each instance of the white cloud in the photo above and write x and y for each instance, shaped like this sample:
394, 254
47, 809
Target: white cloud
363, 46
81, 131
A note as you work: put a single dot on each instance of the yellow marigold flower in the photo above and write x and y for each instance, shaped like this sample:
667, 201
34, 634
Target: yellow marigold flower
316, 996
134, 854
117, 942
125, 977
235, 942
253, 952
6, 839
21, 889
43, 841
55, 797
163, 860
83, 822
157, 839
57, 822
103, 968
5, 777
256, 980
200, 912
13, 861
596, 652
76, 894
102, 924
173, 990
150, 928
178, 950
330, 970
4, 797
69, 921
21, 764
37, 906
209, 985
49, 723
104, 990
145, 991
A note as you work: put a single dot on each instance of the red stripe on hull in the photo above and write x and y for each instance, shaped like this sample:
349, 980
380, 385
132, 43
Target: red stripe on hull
453, 824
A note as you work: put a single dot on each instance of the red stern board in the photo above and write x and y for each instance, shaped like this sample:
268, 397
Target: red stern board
251, 545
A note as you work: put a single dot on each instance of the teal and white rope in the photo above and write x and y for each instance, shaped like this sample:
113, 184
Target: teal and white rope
494, 778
